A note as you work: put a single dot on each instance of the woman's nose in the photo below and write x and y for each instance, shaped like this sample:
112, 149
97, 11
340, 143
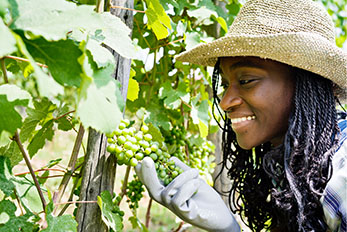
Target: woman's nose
230, 99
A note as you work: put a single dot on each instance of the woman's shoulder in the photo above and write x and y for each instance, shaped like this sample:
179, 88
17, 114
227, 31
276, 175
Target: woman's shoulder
334, 200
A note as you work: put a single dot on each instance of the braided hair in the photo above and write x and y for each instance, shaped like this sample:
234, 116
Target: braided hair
281, 187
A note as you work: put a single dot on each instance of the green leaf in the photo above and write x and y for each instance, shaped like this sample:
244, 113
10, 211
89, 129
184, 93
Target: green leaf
157, 116
6, 178
192, 39
10, 119
99, 101
158, 20
64, 124
46, 85
111, 219
55, 19
39, 139
42, 112
155, 132
7, 41
133, 90
64, 223
3, 6
202, 15
200, 116
136, 223
12, 152
101, 55
14, 224
61, 58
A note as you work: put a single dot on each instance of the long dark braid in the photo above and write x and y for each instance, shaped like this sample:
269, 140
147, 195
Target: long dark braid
285, 183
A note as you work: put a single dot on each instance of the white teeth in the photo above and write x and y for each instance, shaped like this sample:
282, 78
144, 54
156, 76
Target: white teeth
237, 120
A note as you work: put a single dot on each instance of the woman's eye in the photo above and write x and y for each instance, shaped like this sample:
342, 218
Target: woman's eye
244, 82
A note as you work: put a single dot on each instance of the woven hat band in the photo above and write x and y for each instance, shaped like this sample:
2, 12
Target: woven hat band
265, 17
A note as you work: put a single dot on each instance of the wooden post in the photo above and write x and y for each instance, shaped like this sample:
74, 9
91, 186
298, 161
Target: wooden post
100, 167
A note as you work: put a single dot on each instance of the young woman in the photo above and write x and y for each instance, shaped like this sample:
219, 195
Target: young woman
285, 141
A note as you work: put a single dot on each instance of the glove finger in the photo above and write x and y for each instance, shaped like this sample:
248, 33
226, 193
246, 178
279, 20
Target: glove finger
179, 182
183, 199
150, 179
138, 171
180, 164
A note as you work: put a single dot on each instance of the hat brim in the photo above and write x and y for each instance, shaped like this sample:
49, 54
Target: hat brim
304, 50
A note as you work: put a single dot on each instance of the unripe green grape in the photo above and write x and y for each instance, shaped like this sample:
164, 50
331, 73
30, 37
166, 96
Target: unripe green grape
121, 139
139, 135
120, 156
117, 132
121, 213
139, 155
110, 140
129, 153
127, 145
125, 121
147, 137
166, 181
111, 148
154, 147
122, 126
144, 144
134, 147
174, 174
132, 130
118, 149
160, 152
109, 135
148, 151
153, 156
144, 128
133, 162
125, 131
162, 174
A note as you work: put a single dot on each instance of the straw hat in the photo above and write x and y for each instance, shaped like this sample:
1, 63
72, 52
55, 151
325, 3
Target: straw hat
295, 32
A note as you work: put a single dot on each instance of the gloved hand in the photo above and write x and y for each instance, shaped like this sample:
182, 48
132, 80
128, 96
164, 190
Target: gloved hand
189, 197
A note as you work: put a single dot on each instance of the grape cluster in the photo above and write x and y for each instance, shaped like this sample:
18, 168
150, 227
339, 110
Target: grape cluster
194, 154
116, 209
134, 192
130, 146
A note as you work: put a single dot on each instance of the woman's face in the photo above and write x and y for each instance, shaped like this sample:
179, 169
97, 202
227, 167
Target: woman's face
258, 99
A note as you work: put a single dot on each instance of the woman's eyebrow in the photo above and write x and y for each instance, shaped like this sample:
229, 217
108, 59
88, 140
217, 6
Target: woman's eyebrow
245, 63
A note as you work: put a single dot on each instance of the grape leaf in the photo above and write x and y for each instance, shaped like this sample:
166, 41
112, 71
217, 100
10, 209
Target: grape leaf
133, 90
3, 5
39, 139
158, 20
6, 178
155, 132
111, 219
136, 223
41, 112
200, 117
157, 116
10, 119
61, 58
101, 55
46, 85
7, 41
99, 105
13, 224
55, 19
64, 223
12, 152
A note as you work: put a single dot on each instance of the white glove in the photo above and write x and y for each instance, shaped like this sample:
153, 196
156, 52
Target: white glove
189, 197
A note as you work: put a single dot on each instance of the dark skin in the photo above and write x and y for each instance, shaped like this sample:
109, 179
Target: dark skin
257, 99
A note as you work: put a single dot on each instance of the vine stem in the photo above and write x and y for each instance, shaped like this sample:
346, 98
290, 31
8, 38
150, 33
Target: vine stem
125, 8
75, 202
41, 170
125, 183
148, 212
3, 67
27, 161
71, 166
25, 60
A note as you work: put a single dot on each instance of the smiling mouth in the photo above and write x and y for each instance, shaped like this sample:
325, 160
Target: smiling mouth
242, 119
